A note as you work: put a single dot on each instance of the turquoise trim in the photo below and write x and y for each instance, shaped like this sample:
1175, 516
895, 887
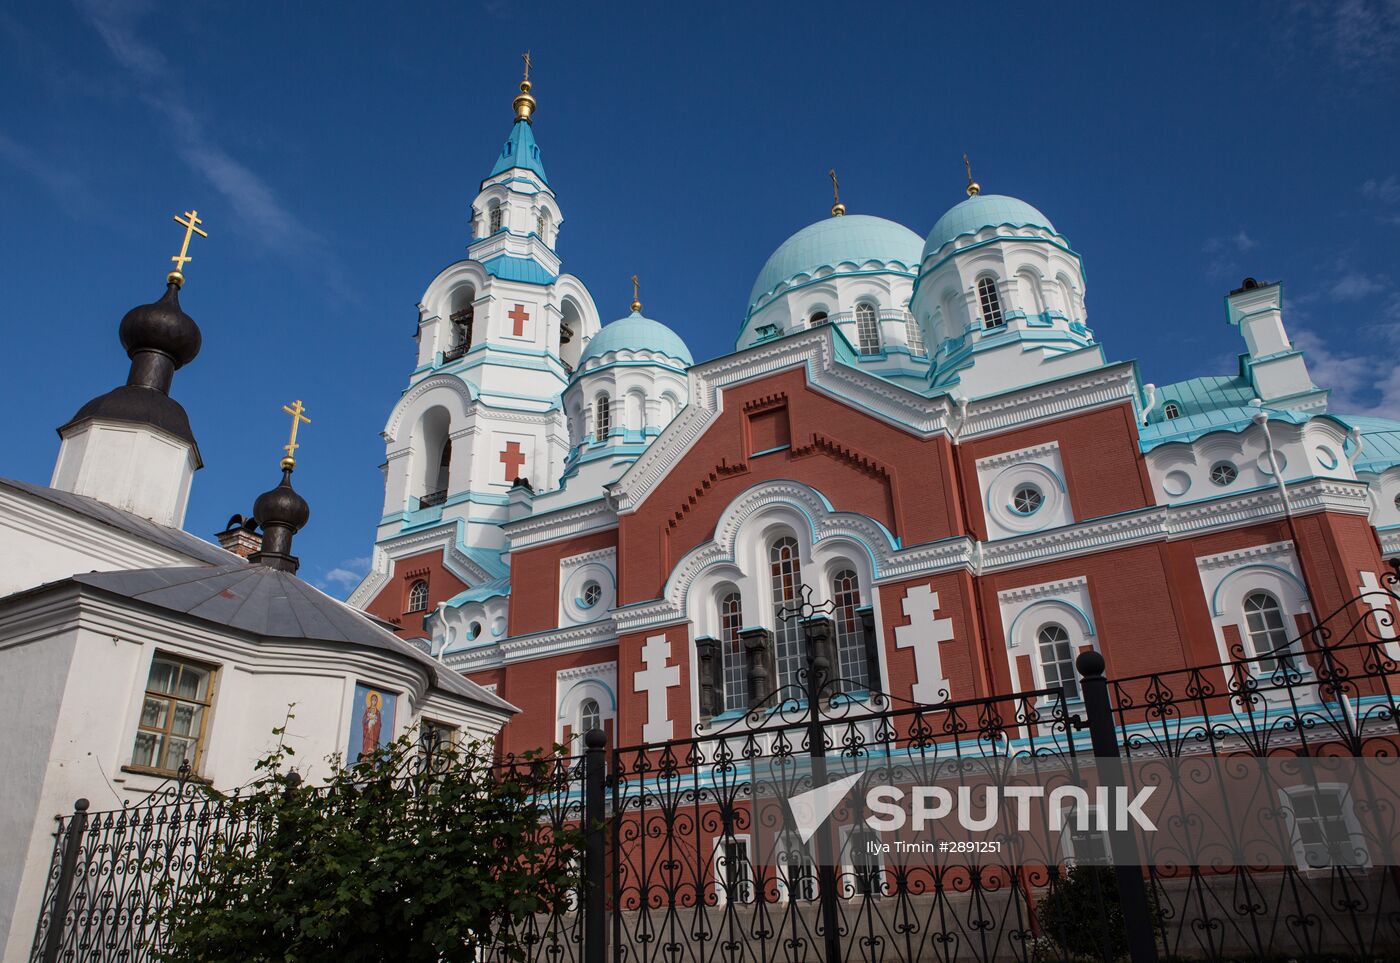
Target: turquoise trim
637, 333
506, 267
1258, 566
769, 451
1032, 239
982, 211
657, 363
853, 239
1085, 623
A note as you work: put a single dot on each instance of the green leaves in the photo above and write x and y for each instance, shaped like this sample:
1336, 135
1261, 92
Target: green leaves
388, 859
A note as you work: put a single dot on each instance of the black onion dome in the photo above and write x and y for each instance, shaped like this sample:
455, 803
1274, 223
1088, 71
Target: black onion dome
142, 406
162, 326
282, 506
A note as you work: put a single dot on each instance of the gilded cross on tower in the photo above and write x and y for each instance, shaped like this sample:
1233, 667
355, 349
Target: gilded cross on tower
973, 188
526, 57
837, 208
296, 410
636, 290
191, 225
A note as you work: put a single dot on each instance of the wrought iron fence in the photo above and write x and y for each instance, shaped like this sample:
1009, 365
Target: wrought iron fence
697, 853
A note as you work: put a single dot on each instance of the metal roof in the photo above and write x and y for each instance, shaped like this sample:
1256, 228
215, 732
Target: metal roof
264, 601
165, 536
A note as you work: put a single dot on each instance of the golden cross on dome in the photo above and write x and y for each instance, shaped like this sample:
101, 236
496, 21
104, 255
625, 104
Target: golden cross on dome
973, 188
636, 289
837, 208
191, 225
526, 57
296, 410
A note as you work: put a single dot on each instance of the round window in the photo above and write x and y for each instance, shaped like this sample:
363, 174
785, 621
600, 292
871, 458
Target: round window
1026, 500
1397, 501
474, 630
592, 592
1223, 473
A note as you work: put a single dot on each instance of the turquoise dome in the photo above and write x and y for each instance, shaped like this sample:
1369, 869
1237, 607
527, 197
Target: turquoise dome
636, 333
983, 210
854, 238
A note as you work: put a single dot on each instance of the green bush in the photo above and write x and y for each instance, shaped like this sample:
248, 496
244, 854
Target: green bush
382, 862
1081, 914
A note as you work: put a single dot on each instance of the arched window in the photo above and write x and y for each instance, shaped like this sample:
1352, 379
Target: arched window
789, 646
867, 329
731, 620
542, 225
1171, 410
914, 336
418, 596
496, 215
590, 717
602, 416
1057, 660
850, 636
444, 468
991, 303
818, 317
1268, 636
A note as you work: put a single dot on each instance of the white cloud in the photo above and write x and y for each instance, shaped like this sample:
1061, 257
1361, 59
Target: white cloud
1362, 36
251, 199
1353, 286
347, 574
1363, 382
1386, 191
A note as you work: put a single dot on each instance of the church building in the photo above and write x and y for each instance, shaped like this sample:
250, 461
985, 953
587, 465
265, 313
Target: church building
919, 433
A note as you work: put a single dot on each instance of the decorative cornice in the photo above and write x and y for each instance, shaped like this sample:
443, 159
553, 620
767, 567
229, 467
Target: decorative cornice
447, 536
1253, 553
1111, 384
522, 648
598, 555
586, 672
1023, 454
1390, 543
1026, 593
592, 516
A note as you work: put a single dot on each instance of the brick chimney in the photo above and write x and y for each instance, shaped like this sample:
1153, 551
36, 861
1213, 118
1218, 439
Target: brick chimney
241, 536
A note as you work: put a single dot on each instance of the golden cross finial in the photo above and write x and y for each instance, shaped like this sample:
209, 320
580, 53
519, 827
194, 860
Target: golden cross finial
837, 208
191, 226
524, 104
973, 188
526, 57
636, 290
296, 410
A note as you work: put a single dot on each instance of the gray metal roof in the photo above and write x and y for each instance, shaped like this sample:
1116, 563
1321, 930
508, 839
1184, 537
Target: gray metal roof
263, 601
143, 528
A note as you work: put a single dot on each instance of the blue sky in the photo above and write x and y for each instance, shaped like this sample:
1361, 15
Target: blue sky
334, 150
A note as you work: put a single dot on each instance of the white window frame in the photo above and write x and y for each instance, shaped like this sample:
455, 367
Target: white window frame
1347, 807
989, 303
744, 887
867, 328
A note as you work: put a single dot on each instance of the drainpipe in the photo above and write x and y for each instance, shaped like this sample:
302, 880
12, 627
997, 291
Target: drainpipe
1150, 391
1262, 420
978, 614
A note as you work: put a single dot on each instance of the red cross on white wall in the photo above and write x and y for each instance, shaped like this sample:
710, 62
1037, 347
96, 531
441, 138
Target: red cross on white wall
519, 315
514, 460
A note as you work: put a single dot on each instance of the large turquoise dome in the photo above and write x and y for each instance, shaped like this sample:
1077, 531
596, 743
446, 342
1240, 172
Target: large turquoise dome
636, 333
983, 210
852, 239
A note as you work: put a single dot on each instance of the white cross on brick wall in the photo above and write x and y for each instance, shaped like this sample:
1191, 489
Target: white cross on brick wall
924, 634
654, 680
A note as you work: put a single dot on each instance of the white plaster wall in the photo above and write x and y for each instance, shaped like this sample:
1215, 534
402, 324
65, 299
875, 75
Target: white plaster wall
137, 469
41, 542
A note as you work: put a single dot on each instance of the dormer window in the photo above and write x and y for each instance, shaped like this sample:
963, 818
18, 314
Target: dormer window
867, 329
1171, 410
991, 304
602, 417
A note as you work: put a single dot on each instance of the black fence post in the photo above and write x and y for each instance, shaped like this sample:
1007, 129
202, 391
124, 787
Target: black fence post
63, 891
595, 930
1127, 869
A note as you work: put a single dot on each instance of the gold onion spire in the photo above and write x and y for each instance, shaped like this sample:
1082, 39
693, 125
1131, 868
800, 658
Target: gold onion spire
524, 104
837, 208
299, 418
973, 188
636, 290
191, 225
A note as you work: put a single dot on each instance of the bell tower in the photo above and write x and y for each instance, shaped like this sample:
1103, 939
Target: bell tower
499, 336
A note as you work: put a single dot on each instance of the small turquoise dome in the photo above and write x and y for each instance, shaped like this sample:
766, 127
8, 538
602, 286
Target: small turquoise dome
853, 238
636, 333
983, 210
